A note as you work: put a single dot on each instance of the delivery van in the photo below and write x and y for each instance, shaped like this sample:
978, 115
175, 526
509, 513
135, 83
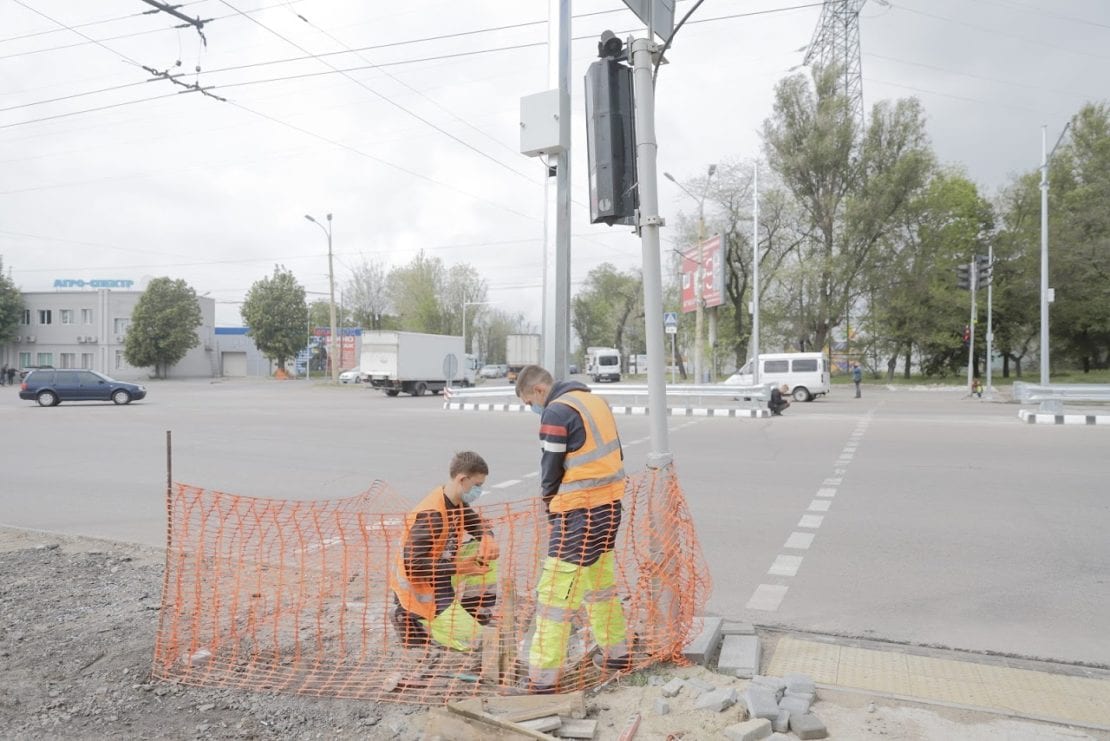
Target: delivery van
806, 373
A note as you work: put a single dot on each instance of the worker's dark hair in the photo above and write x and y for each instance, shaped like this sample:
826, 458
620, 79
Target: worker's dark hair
529, 376
468, 463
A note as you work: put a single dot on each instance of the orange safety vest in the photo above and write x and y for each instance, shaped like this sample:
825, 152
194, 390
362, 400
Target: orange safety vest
416, 592
593, 474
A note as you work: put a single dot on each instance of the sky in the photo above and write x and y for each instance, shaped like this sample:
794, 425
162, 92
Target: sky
108, 172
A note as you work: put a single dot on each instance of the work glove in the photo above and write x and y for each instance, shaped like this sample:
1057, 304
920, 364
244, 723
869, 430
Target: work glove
470, 567
488, 550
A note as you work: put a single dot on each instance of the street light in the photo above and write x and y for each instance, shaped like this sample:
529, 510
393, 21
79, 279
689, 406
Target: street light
1045, 157
333, 355
466, 304
699, 315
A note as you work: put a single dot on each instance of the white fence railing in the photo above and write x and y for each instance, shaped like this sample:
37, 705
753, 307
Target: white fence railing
1053, 396
697, 393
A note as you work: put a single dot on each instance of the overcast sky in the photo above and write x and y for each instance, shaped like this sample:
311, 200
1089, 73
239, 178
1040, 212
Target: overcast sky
419, 148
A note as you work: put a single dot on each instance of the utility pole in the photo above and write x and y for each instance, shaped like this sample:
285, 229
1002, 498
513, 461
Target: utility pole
990, 326
1045, 291
974, 273
333, 356
755, 273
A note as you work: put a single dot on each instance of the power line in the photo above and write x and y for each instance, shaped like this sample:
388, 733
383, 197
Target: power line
1042, 11
140, 14
91, 110
74, 30
954, 97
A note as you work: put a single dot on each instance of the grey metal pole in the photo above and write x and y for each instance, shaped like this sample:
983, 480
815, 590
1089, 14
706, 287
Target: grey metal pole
557, 301
1044, 255
755, 273
331, 290
973, 272
646, 151
699, 309
990, 327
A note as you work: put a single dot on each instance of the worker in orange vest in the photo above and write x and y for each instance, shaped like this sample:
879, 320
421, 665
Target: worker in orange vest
582, 482
445, 586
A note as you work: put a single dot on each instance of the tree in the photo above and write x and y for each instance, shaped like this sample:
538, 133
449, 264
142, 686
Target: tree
275, 311
11, 306
163, 326
850, 186
605, 307
415, 292
366, 295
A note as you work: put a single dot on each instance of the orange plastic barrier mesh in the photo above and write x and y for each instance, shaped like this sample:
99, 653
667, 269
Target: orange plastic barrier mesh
294, 596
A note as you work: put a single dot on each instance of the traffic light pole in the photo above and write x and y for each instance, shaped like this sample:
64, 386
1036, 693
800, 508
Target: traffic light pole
648, 225
990, 327
974, 273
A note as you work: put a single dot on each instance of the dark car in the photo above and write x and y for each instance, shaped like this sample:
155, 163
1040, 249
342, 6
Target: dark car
51, 387
23, 373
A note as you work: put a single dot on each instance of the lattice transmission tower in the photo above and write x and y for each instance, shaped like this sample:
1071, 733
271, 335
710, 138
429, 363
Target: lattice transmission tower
836, 41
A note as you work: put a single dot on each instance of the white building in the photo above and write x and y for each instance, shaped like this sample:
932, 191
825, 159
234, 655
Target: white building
86, 329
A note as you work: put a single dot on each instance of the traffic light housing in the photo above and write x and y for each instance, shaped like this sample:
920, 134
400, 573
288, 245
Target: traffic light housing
611, 139
983, 271
963, 276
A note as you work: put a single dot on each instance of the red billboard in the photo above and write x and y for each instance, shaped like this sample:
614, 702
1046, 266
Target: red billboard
713, 274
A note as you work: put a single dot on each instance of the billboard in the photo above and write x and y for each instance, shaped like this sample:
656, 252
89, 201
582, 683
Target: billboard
713, 272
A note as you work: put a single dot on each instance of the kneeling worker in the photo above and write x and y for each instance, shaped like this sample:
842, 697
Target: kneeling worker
444, 588
778, 402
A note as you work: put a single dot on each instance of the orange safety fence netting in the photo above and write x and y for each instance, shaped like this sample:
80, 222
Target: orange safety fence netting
295, 596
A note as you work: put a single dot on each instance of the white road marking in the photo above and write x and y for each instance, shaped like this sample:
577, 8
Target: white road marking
840, 471
800, 541
767, 597
532, 475
819, 505
850, 448
813, 521
832, 482
826, 492
506, 484
785, 566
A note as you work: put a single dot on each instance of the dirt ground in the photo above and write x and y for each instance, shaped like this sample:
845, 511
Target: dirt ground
77, 624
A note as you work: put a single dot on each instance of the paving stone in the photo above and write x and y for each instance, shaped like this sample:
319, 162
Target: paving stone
800, 683
777, 684
796, 705
718, 700
810, 697
662, 707
738, 629
703, 648
749, 730
781, 723
673, 687
656, 681
700, 684
808, 726
779, 737
761, 703
740, 655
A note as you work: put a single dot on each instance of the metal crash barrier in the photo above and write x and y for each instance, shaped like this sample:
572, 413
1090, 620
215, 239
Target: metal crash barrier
1052, 397
755, 396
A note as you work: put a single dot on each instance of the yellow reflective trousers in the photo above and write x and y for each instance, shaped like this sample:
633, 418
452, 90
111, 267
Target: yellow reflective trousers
455, 627
562, 589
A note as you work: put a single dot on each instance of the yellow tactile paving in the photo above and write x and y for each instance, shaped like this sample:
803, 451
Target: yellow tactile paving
1010, 689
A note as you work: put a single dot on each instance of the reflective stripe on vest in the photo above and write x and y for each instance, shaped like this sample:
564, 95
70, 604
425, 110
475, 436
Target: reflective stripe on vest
593, 474
416, 597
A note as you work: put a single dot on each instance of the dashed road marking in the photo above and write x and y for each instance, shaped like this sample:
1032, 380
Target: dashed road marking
819, 505
799, 541
767, 597
506, 484
813, 521
830, 492
785, 566
832, 482
532, 475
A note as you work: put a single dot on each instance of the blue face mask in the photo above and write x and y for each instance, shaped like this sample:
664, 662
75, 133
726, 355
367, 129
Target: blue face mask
536, 408
471, 495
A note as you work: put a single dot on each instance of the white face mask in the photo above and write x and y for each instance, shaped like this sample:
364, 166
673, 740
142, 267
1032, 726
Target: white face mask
471, 495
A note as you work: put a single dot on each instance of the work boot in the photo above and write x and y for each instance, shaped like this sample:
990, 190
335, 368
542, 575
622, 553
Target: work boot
607, 664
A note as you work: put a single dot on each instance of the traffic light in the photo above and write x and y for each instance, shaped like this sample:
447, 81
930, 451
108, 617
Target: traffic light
611, 136
963, 276
983, 269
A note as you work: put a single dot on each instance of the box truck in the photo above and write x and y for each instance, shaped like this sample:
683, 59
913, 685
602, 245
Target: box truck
521, 350
415, 363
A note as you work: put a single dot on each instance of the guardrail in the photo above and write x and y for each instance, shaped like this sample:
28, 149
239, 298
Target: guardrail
756, 395
1053, 396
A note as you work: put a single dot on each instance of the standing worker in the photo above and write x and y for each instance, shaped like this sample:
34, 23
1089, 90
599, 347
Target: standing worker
857, 376
582, 482
443, 588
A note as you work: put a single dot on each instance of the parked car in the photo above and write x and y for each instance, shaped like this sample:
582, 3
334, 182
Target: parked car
354, 375
23, 373
493, 371
50, 387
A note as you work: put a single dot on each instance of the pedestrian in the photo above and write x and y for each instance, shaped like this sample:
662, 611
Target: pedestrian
857, 376
443, 588
977, 387
778, 400
4, 375
581, 483
11, 376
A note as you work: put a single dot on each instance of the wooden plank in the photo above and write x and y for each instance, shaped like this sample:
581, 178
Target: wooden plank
527, 707
491, 655
543, 725
448, 726
575, 728
630, 728
497, 722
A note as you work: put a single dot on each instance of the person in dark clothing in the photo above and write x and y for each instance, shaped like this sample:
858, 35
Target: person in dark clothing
857, 377
4, 375
778, 401
444, 588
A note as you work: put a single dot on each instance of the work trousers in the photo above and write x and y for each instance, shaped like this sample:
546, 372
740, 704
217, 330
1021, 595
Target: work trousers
562, 589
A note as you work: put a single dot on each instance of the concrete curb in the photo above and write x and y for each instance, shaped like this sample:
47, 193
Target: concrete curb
461, 406
1041, 418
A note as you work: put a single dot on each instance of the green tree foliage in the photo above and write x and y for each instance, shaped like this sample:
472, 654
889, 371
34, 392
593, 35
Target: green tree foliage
415, 292
608, 310
11, 306
850, 187
491, 331
366, 295
274, 312
163, 326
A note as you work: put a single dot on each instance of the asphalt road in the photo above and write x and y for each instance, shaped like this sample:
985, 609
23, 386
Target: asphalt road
915, 516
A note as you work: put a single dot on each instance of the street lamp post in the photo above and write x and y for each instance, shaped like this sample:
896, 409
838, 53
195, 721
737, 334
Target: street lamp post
333, 355
1045, 157
699, 275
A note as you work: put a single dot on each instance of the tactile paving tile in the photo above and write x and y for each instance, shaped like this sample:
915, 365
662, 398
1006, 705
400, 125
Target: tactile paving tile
1009, 689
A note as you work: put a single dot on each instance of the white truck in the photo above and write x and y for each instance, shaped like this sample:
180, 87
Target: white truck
521, 350
603, 364
415, 363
